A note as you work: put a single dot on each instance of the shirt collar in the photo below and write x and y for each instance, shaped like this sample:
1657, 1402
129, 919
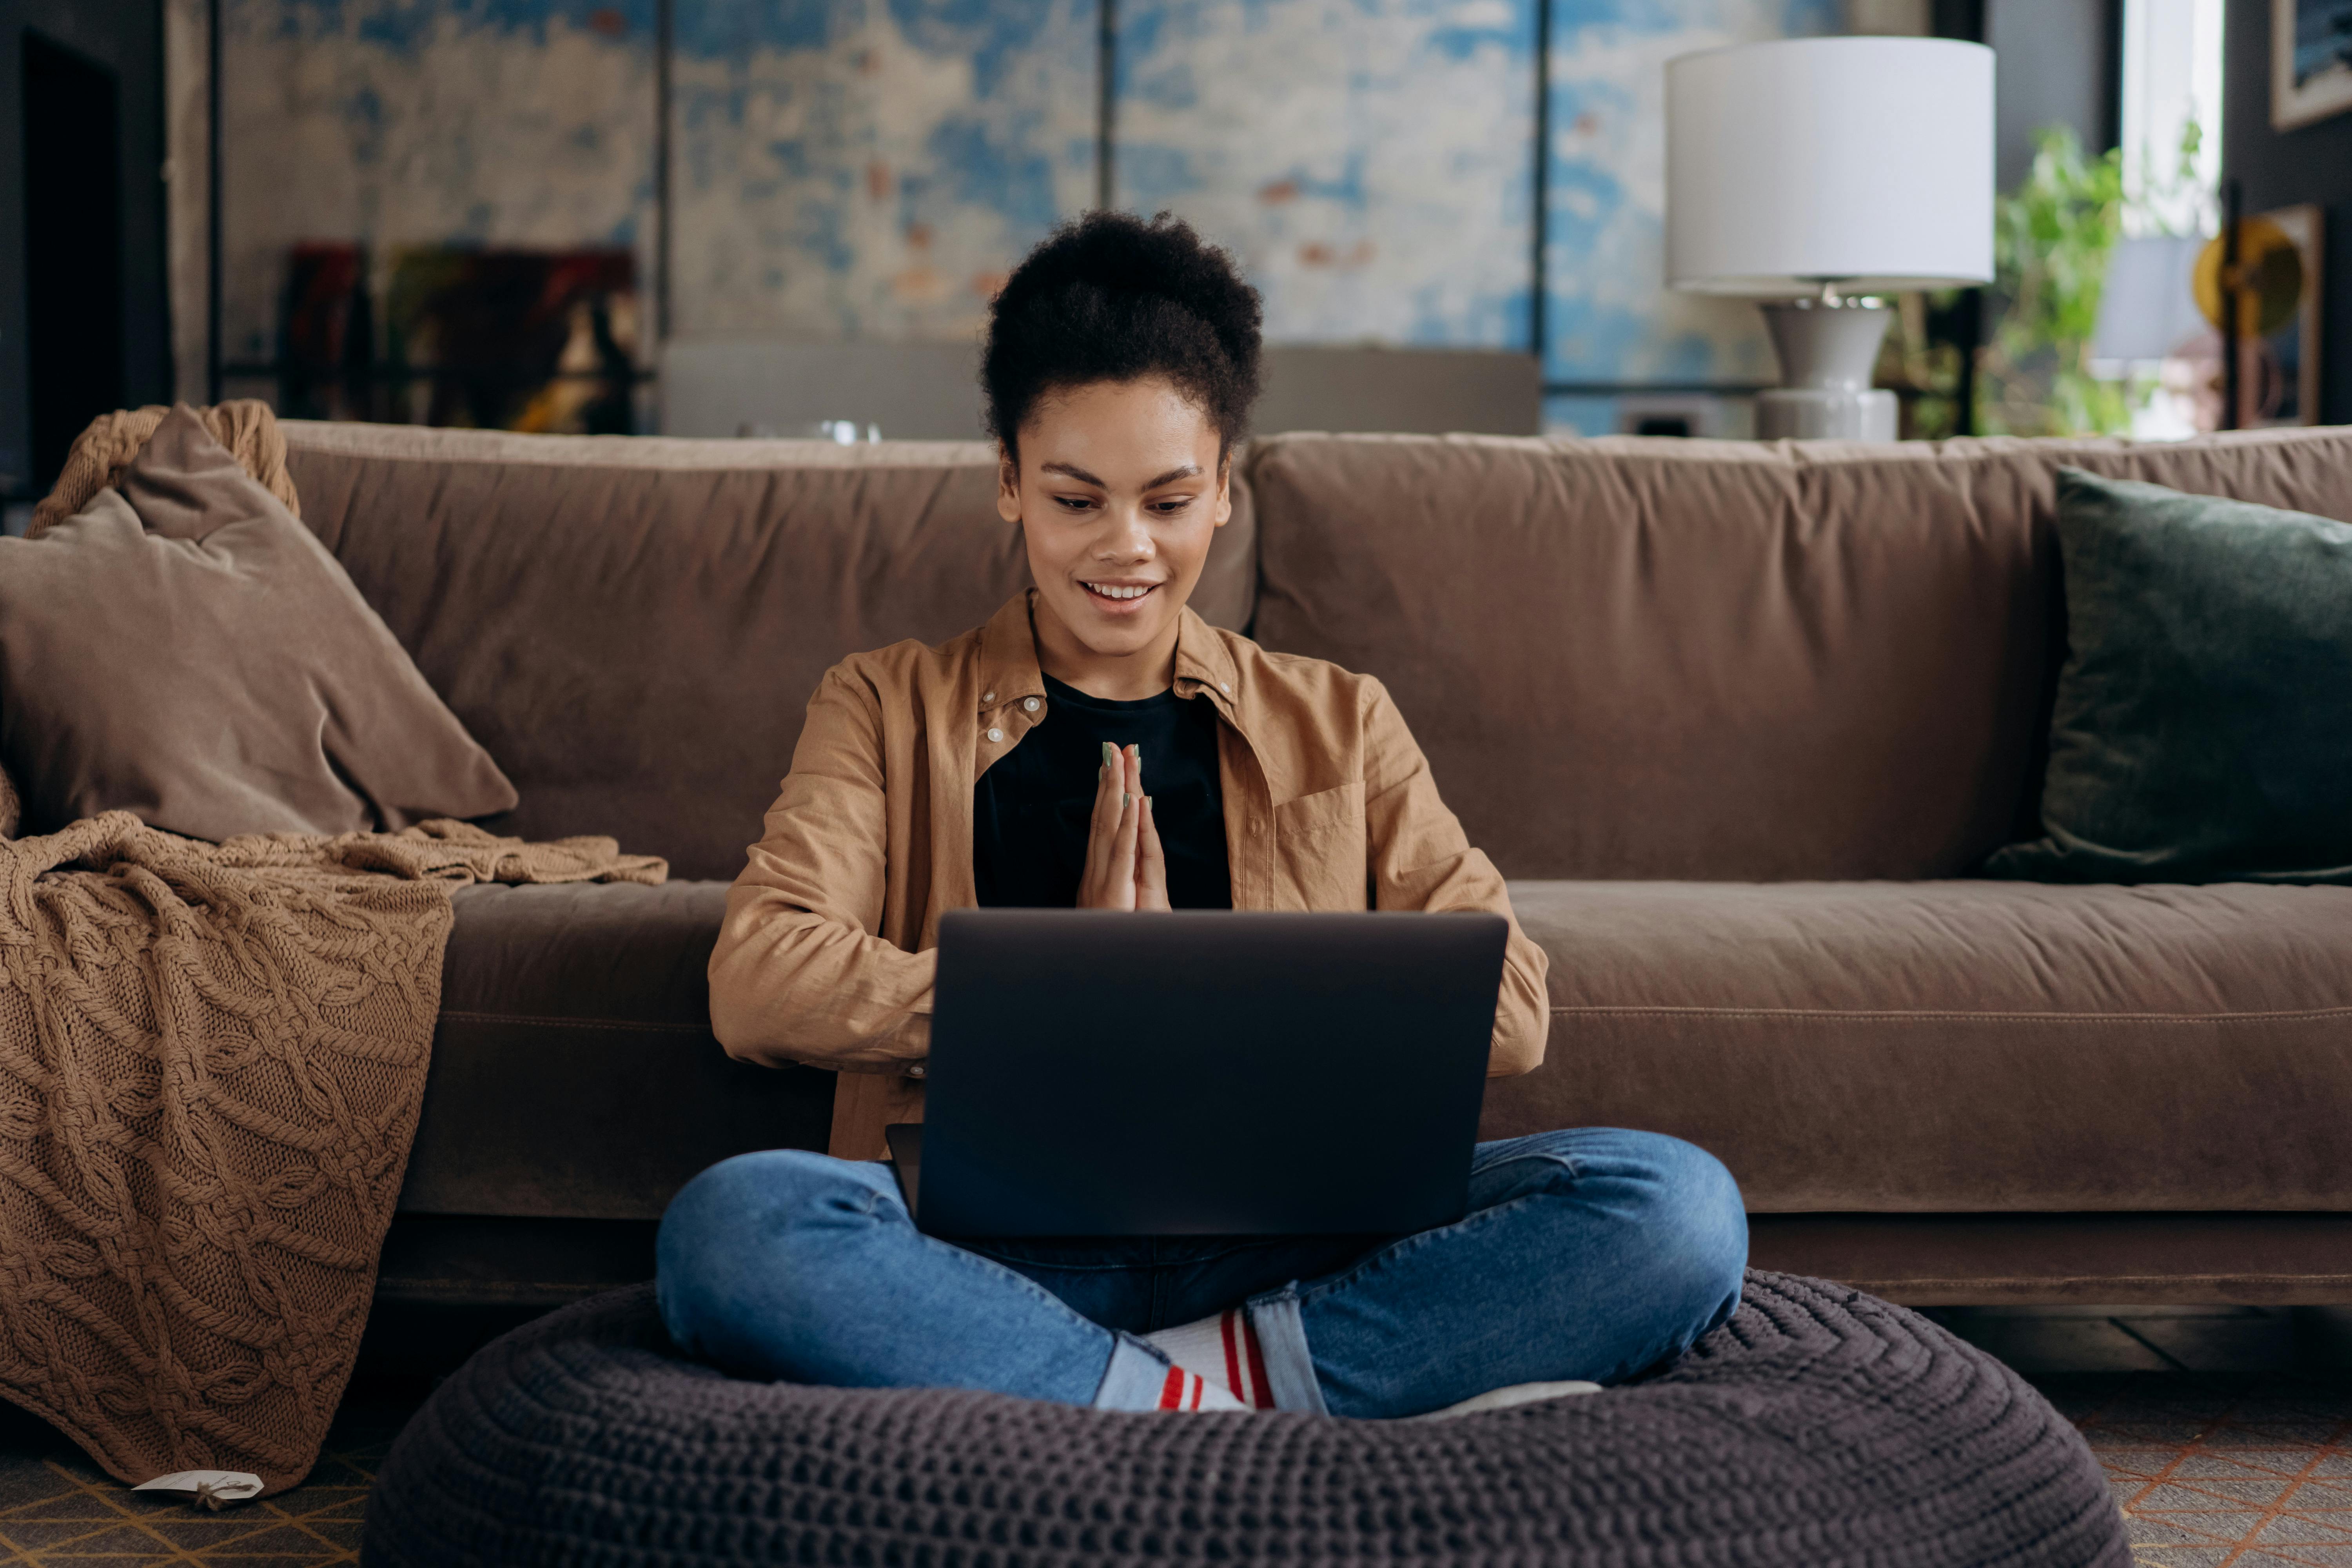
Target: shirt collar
1008, 657
1201, 656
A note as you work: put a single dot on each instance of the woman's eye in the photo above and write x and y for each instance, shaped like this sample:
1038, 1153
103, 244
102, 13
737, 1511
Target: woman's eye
1075, 503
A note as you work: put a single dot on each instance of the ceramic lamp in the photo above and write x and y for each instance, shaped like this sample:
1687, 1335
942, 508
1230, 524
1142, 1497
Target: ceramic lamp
1813, 172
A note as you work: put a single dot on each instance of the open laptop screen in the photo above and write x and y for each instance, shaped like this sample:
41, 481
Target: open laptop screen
1202, 1073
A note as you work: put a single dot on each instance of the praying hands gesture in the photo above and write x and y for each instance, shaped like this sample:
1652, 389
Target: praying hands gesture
1125, 868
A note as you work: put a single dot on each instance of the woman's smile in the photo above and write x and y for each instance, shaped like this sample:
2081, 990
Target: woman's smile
1117, 598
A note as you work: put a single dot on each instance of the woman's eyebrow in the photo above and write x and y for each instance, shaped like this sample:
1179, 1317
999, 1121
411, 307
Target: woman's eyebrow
1072, 470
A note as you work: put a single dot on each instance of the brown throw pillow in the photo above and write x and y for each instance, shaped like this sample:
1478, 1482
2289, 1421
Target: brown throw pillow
184, 648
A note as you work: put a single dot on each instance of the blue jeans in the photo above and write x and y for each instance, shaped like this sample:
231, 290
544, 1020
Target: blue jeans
1593, 1252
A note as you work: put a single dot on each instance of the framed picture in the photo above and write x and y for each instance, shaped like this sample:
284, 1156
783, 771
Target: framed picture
2285, 390
2311, 60
2278, 375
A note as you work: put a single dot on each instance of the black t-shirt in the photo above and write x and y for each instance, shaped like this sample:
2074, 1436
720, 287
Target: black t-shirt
1030, 810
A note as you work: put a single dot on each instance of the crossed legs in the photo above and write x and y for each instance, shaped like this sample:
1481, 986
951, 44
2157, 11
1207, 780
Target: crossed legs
1590, 1253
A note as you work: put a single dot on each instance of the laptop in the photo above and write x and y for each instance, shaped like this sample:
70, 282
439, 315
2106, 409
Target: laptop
1202, 1073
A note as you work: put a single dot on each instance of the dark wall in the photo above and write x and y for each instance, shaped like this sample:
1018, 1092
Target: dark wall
120, 39
2059, 62
2284, 168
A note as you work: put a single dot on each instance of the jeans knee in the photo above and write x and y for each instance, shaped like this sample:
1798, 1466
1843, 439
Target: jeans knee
1680, 1200
737, 1208
756, 1191
1699, 1222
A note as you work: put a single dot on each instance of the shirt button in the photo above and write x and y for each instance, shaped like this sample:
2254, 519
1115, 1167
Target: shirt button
988, 696
1030, 703
995, 734
1224, 688
915, 1071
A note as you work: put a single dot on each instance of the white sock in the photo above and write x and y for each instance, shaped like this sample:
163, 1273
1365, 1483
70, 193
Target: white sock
1223, 1350
1505, 1397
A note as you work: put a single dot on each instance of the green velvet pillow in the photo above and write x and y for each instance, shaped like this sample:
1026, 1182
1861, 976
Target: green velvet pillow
2203, 731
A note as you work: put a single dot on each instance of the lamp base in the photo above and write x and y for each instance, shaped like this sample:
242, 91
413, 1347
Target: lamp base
1827, 348
1807, 414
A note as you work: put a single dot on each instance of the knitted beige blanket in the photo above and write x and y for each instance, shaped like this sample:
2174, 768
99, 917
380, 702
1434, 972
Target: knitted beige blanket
210, 1059
245, 426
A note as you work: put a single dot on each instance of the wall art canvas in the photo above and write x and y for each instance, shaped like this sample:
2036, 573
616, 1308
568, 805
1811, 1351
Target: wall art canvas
2279, 355
540, 341
2286, 388
2311, 60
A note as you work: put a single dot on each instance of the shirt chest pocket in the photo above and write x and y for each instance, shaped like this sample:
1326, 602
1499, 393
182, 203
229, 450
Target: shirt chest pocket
1319, 853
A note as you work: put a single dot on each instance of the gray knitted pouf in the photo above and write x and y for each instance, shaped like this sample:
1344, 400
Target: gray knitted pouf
1820, 1427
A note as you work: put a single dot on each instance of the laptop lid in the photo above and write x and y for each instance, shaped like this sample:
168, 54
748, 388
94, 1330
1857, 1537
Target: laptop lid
1205, 1073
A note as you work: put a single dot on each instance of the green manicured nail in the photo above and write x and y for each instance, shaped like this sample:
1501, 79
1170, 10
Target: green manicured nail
1110, 753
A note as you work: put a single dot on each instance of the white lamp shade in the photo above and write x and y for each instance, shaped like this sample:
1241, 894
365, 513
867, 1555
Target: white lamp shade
1867, 161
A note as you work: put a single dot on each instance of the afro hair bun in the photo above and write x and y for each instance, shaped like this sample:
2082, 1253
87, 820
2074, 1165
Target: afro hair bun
1110, 297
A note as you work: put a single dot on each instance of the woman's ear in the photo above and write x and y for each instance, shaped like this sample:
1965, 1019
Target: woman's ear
1008, 485
1225, 488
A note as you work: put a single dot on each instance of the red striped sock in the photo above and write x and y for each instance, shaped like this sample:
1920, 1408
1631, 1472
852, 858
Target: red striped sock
1223, 1350
1190, 1391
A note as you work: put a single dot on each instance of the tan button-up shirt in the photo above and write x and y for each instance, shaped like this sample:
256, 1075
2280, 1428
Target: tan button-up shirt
826, 956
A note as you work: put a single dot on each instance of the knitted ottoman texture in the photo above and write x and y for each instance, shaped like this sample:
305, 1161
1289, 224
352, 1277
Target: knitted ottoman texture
1819, 1427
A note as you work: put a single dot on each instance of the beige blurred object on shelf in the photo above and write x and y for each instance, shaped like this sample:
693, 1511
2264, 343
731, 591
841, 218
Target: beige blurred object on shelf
1890, 18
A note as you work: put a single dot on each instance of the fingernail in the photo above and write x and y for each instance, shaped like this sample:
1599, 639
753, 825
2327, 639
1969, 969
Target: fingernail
1146, 802
1110, 753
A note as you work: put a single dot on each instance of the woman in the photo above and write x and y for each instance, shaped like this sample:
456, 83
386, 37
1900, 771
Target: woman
1096, 744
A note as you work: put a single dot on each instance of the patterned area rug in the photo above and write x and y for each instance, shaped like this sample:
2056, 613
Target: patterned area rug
60, 1510
2222, 1470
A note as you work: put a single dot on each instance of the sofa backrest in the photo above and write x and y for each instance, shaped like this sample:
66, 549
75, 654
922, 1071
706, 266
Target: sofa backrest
632, 626
1635, 659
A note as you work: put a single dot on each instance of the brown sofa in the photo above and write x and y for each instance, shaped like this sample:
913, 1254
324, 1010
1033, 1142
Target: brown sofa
1737, 719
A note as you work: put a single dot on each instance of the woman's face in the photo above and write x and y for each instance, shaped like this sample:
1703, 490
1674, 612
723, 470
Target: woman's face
1119, 489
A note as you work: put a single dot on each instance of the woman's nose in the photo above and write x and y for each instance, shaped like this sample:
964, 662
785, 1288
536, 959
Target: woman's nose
1125, 538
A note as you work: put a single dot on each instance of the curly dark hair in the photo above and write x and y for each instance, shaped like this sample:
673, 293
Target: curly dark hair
1109, 296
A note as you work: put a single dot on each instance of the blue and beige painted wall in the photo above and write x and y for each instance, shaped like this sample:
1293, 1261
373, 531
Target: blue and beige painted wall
869, 169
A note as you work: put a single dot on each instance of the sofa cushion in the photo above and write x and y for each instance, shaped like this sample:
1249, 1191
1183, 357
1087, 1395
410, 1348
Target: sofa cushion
1649, 657
634, 625
2204, 726
574, 1074
1956, 1046
183, 649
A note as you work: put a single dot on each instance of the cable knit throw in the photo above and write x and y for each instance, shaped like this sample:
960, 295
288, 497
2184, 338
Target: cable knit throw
211, 1061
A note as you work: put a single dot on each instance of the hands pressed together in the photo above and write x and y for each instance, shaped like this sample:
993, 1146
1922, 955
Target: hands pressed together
1125, 868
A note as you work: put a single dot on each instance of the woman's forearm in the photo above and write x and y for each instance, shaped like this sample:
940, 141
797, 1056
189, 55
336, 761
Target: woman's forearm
789, 986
